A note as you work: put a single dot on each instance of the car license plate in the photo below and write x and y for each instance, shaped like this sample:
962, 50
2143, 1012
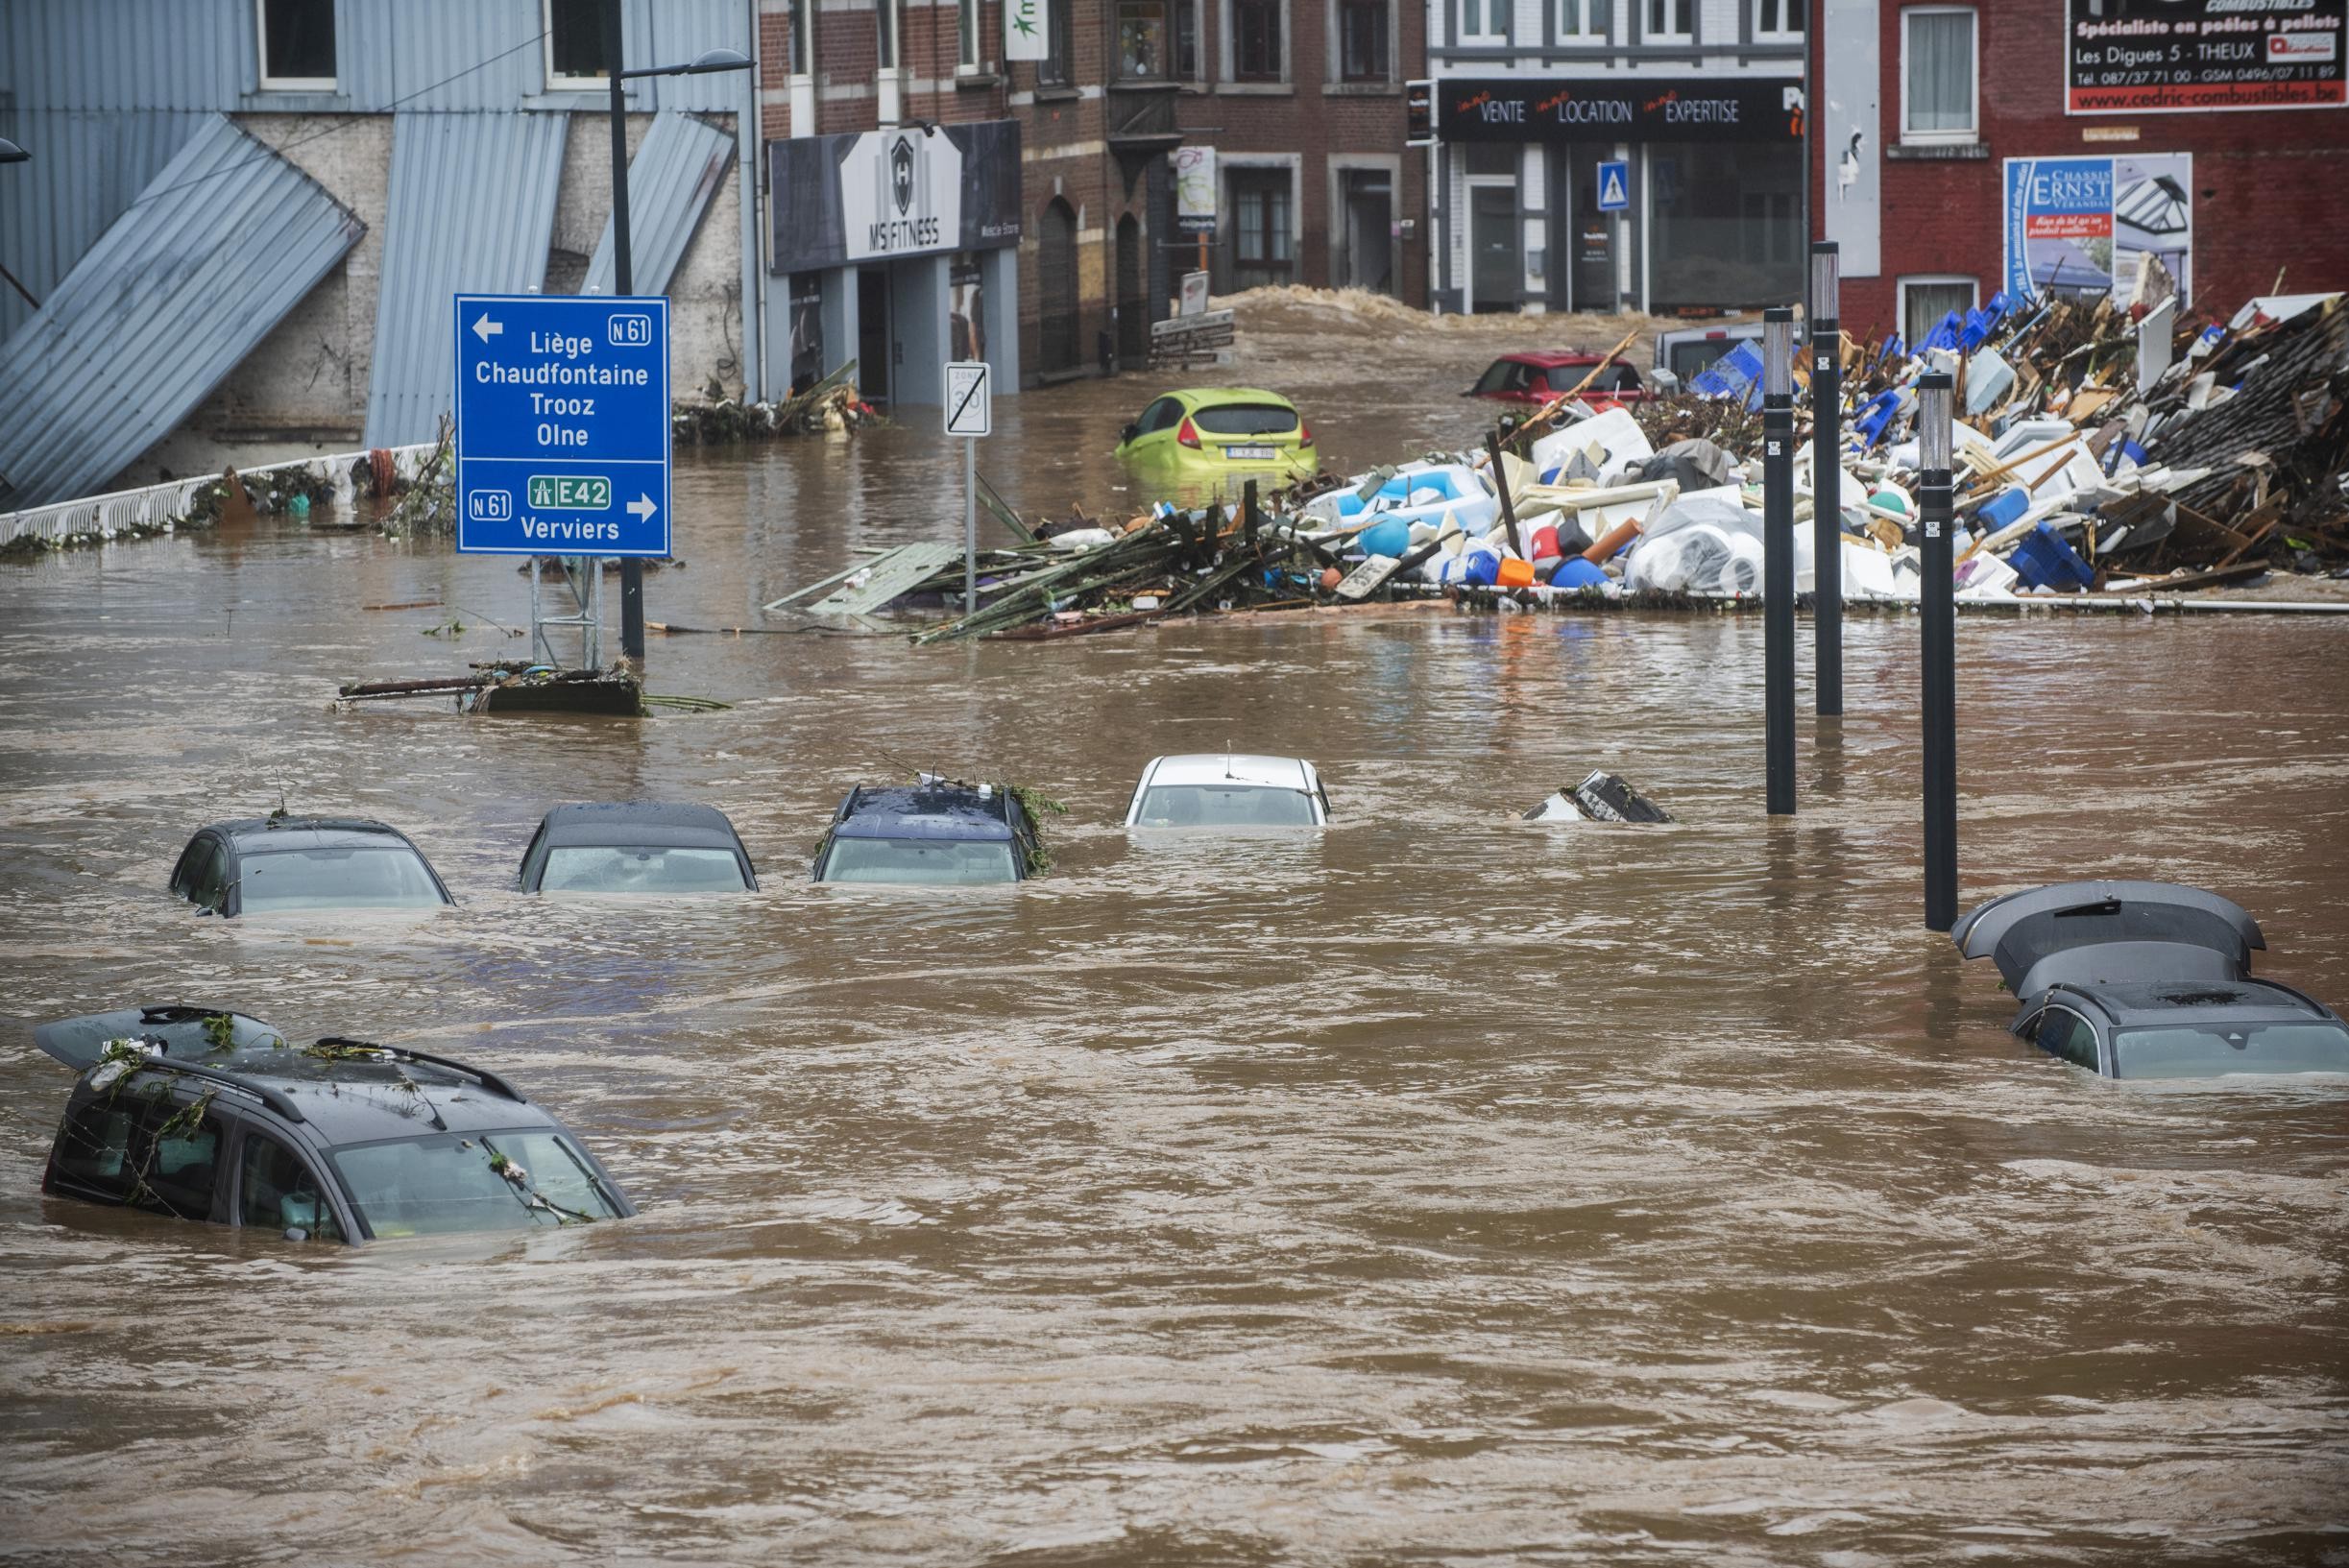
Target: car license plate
1246, 454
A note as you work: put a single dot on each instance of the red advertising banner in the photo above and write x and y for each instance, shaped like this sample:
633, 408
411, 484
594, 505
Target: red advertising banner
2169, 56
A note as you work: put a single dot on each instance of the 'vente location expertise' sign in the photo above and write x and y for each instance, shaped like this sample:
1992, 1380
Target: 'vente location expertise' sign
1645, 109
2166, 56
562, 440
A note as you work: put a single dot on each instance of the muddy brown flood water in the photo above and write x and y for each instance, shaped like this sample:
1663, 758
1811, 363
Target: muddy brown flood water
1443, 1187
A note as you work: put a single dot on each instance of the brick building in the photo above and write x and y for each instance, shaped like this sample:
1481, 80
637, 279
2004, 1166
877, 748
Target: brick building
1966, 149
1066, 245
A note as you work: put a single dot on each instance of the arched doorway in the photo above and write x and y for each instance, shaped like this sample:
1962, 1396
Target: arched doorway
1133, 306
1056, 288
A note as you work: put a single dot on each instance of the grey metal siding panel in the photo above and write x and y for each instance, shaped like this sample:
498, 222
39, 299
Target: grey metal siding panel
228, 238
472, 210
86, 169
677, 170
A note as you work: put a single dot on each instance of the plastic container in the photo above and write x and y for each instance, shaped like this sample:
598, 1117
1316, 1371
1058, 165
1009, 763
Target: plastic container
2043, 560
2002, 509
1576, 572
1481, 566
1514, 573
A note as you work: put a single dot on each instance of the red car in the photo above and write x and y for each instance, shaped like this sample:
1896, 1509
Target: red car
1538, 375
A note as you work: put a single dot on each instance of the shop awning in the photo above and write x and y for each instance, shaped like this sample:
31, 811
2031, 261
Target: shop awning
220, 245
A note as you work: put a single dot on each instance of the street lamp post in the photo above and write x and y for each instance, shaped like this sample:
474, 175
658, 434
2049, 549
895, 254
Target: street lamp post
623, 272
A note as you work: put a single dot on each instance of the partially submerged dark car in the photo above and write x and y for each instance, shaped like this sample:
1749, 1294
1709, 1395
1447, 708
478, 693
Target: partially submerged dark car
637, 847
270, 865
2137, 979
202, 1113
934, 833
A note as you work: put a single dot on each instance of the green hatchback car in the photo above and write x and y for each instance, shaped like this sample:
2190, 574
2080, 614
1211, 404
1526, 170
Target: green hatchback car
1205, 441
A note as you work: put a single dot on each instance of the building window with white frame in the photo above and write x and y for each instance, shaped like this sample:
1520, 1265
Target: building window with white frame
1582, 21
1924, 302
1262, 254
1939, 76
1670, 21
297, 45
574, 46
1484, 21
1778, 21
803, 38
886, 25
966, 36
1362, 41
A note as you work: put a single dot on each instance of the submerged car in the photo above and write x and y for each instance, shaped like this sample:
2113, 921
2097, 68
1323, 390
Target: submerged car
637, 847
202, 1113
1215, 437
933, 833
1538, 375
1223, 790
2140, 980
269, 865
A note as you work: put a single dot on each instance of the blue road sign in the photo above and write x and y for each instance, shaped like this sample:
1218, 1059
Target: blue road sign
1615, 187
562, 441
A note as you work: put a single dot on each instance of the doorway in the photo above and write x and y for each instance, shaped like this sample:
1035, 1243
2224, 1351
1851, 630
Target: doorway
1368, 201
1492, 237
873, 333
1133, 305
1056, 289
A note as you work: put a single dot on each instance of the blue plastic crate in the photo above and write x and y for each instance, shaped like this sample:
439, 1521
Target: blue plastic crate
2043, 560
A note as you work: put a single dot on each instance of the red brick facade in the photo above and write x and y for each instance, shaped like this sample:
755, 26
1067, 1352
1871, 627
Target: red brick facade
2269, 185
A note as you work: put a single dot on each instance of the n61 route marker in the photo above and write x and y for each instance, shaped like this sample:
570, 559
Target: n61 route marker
563, 434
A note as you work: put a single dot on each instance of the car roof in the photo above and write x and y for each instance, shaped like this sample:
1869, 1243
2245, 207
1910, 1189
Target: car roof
621, 823
1197, 398
1553, 358
1231, 767
2155, 1003
928, 811
290, 833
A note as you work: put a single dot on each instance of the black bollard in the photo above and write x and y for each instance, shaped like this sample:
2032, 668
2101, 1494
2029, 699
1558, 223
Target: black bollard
1777, 554
1938, 623
1827, 479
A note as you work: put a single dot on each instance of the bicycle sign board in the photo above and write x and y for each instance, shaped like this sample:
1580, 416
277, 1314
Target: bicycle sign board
563, 434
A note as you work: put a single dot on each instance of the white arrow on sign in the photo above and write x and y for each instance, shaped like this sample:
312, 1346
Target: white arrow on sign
486, 328
643, 508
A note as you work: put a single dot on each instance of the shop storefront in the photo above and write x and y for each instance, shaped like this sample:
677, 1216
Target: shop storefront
1637, 192
899, 249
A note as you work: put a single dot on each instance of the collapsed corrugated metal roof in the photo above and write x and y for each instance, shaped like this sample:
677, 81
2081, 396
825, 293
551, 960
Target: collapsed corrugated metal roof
221, 244
472, 210
675, 172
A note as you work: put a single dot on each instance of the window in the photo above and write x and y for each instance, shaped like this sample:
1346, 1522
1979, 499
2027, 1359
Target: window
1255, 50
1506, 375
1925, 301
1186, 40
93, 1148
2063, 1032
802, 36
1777, 19
651, 869
1484, 21
1937, 74
392, 877
297, 45
179, 1160
919, 862
1052, 70
511, 1180
1670, 21
966, 35
575, 44
1163, 415
1583, 19
1495, 158
1207, 806
1260, 216
1142, 40
279, 1191
1362, 41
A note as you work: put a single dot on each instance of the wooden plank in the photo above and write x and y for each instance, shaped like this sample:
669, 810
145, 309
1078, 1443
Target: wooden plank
893, 576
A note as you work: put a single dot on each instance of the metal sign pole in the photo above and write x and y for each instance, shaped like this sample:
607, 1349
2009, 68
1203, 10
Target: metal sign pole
1938, 619
1826, 476
970, 525
1778, 555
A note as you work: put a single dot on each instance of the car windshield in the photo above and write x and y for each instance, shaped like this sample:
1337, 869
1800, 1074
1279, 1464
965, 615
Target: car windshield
515, 1180
390, 878
1246, 420
1223, 806
933, 862
581, 868
1500, 375
2209, 1051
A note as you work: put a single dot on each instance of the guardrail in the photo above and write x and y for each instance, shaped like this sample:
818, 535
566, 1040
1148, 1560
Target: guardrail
158, 509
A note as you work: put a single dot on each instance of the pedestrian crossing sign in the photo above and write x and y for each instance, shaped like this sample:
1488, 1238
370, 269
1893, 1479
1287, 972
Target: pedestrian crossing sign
1615, 187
